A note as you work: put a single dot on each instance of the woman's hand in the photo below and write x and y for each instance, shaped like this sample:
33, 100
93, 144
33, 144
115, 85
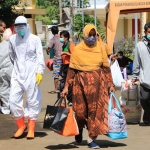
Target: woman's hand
64, 92
48, 51
112, 89
65, 53
62, 53
114, 57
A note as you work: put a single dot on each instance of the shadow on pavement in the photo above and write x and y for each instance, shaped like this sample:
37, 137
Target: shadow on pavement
101, 143
61, 146
133, 123
40, 134
143, 124
36, 134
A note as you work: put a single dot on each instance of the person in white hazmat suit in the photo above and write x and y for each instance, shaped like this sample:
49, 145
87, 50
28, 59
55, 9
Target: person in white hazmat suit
6, 67
27, 54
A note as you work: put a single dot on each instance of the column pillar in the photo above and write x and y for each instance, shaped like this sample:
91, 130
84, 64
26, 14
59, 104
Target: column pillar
143, 19
33, 17
125, 28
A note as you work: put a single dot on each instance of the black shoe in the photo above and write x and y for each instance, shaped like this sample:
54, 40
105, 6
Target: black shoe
146, 119
79, 137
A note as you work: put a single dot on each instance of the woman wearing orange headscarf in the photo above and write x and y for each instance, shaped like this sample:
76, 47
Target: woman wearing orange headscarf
90, 76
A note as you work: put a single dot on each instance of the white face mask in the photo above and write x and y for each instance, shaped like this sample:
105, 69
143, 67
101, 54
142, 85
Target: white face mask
120, 57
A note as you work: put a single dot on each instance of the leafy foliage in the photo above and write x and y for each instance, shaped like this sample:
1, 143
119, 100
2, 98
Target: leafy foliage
52, 11
46, 3
66, 3
79, 24
126, 45
102, 32
44, 19
86, 3
8, 11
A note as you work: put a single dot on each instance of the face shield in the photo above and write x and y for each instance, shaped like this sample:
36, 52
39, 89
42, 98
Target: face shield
21, 25
21, 29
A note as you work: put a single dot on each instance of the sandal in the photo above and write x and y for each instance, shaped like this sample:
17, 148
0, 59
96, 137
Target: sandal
57, 91
52, 92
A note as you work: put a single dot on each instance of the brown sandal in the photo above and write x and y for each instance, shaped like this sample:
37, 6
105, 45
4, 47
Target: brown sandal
52, 92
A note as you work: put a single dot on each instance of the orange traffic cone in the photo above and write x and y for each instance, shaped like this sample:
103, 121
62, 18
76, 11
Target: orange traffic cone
21, 127
31, 126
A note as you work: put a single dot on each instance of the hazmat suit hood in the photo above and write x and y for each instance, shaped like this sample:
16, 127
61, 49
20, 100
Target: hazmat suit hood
22, 21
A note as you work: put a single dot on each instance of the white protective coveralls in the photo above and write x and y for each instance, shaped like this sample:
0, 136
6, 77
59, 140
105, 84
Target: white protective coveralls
27, 54
6, 68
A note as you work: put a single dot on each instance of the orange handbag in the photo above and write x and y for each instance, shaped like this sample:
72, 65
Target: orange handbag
70, 127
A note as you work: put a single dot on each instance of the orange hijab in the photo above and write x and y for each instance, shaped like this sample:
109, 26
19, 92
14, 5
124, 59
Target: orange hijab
87, 58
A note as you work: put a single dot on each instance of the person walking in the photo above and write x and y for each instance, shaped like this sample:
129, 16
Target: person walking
6, 68
2, 29
123, 61
27, 55
90, 77
67, 50
141, 68
57, 46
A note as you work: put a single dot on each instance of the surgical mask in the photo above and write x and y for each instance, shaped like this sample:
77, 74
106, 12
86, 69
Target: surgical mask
120, 57
90, 40
62, 40
21, 32
148, 36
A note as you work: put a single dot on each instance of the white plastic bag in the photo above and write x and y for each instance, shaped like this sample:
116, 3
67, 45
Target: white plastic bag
116, 74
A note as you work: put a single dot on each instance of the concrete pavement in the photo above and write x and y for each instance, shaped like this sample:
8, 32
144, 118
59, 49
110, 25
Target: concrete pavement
139, 136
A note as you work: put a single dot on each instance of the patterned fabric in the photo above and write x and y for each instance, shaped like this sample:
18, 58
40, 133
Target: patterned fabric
56, 68
63, 74
90, 98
